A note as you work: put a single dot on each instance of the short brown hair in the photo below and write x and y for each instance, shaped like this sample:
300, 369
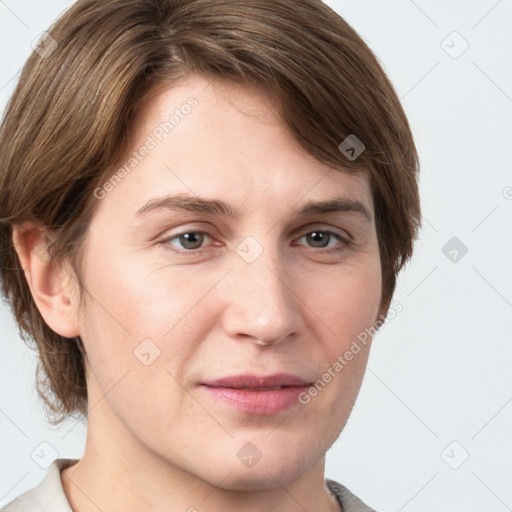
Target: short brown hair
73, 110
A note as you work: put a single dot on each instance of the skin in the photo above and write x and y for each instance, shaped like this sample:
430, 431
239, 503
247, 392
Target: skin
156, 440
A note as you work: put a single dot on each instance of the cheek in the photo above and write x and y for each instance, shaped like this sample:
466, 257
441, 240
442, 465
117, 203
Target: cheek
137, 314
346, 299
346, 302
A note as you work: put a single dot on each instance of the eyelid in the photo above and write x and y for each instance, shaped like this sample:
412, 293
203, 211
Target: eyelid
318, 226
189, 228
345, 238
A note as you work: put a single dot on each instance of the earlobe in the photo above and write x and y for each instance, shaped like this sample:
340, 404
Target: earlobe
53, 287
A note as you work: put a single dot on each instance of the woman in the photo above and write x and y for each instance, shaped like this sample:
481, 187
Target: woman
204, 206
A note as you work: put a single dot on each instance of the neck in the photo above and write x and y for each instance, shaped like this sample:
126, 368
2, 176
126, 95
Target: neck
116, 472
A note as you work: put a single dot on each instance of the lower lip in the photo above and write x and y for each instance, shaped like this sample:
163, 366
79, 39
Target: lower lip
265, 402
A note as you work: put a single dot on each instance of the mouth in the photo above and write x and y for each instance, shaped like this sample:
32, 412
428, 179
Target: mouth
260, 395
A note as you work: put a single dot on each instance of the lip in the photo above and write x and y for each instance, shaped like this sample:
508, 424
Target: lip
257, 394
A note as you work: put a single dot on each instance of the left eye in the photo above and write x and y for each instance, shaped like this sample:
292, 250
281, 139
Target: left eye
321, 238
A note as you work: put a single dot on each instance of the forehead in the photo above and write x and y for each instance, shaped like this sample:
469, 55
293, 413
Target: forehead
224, 140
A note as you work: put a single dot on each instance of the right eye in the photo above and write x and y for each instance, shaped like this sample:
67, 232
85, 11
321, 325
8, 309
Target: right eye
189, 240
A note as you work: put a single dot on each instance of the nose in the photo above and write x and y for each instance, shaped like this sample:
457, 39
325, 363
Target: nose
260, 303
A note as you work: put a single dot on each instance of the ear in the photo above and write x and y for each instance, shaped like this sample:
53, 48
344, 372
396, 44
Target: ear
53, 288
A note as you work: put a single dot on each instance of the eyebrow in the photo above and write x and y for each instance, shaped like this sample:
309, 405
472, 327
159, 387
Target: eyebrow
216, 207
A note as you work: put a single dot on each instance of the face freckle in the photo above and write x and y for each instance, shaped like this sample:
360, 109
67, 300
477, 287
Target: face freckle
166, 325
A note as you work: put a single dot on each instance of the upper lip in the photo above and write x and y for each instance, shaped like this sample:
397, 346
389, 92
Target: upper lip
257, 381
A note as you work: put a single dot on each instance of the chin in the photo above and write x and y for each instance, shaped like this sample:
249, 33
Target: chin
259, 478
272, 466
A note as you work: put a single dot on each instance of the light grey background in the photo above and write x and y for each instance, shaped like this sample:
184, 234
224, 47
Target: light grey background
439, 383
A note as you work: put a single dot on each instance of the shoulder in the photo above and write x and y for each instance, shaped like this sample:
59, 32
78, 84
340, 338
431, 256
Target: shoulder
47, 496
348, 501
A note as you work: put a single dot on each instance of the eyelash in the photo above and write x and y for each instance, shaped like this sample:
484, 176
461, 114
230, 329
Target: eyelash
344, 241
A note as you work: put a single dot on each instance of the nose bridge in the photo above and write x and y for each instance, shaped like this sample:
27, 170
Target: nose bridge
260, 299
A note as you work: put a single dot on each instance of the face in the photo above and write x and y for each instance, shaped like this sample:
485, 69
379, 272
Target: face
226, 272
